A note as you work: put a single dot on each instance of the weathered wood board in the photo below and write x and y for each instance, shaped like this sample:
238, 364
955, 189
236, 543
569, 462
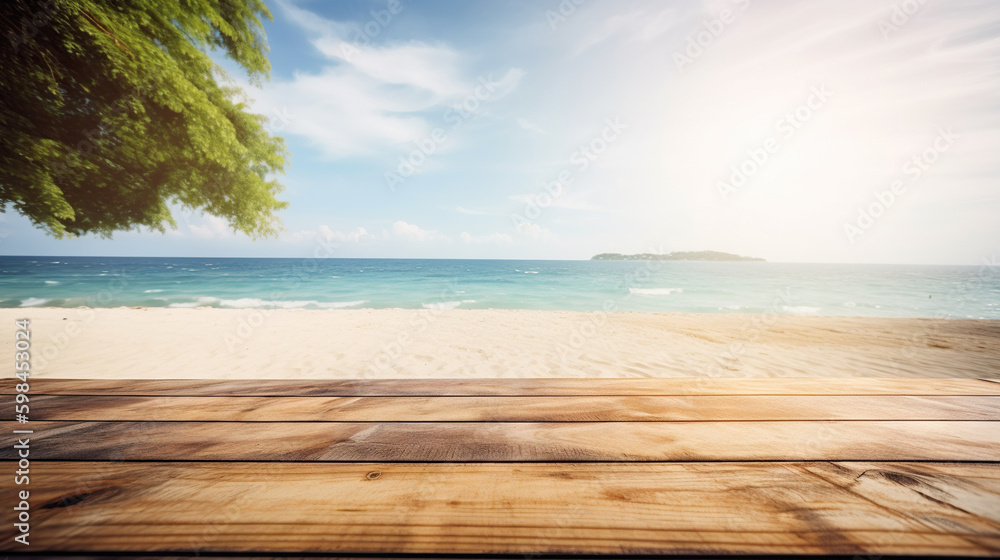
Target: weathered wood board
515, 441
594, 508
865, 467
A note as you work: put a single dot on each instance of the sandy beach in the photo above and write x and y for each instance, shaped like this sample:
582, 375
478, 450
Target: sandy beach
208, 343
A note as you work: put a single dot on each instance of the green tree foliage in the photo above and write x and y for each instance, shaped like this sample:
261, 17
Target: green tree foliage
112, 111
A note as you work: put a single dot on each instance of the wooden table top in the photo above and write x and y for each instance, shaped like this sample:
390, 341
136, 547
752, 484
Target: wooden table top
517, 467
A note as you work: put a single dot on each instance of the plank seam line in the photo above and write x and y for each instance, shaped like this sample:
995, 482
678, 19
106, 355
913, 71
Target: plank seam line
381, 422
518, 461
185, 553
421, 395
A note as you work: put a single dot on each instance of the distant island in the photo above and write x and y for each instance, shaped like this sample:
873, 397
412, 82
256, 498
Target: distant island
675, 256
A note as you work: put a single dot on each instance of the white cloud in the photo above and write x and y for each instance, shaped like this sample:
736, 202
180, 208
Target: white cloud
422, 66
536, 232
410, 232
332, 237
497, 238
343, 113
527, 125
566, 201
297, 236
212, 227
371, 97
399, 232
359, 235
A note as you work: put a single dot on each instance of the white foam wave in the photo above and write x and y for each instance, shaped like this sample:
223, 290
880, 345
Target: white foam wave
340, 304
246, 303
33, 301
151, 291
800, 309
51, 282
655, 291
200, 302
446, 304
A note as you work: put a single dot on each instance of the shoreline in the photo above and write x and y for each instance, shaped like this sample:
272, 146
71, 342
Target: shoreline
213, 343
435, 309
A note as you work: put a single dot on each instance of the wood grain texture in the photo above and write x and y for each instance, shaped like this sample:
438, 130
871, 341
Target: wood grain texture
506, 409
611, 508
511, 466
509, 387
506, 442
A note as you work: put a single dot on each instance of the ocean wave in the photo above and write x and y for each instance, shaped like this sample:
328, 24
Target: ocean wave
862, 304
200, 302
446, 304
33, 302
340, 304
442, 305
799, 309
245, 303
51, 282
151, 291
655, 291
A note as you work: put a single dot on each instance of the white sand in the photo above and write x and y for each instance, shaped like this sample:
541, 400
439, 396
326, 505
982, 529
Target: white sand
394, 343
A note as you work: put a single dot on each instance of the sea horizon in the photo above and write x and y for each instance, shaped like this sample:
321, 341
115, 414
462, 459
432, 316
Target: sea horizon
300, 258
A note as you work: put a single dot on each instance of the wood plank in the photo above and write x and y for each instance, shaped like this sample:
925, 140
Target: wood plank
509, 387
505, 409
617, 508
515, 441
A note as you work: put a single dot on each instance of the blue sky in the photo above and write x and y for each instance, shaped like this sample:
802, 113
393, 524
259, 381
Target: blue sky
828, 131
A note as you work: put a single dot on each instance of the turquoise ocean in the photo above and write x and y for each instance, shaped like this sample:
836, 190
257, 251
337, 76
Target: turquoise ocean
651, 286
